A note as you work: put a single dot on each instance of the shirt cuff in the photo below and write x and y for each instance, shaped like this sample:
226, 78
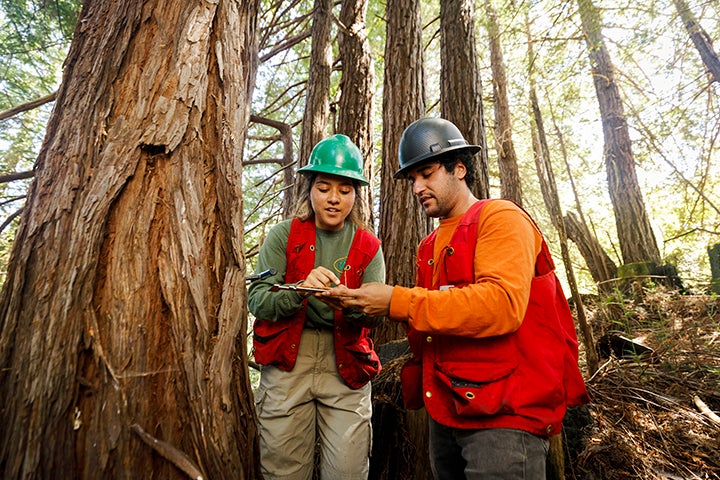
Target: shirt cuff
399, 303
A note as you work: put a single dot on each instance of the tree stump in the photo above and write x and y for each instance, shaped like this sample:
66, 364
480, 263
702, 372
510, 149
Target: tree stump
714, 254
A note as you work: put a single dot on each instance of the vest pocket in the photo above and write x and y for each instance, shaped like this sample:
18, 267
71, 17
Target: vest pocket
361, 365
476, 390
269, 342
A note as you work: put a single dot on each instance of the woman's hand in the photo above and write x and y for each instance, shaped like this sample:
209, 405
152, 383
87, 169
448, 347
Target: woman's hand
320, 277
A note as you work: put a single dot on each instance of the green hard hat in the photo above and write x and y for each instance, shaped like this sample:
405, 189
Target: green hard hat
427, 139
336, 155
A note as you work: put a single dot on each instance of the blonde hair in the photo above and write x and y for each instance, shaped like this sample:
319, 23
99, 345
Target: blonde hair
304, 210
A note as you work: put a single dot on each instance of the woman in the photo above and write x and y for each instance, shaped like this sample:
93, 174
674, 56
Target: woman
317, 361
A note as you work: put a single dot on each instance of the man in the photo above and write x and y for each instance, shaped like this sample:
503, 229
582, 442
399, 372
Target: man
494, 345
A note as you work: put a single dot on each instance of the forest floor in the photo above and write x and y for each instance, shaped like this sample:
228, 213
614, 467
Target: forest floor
655, 397
654, 414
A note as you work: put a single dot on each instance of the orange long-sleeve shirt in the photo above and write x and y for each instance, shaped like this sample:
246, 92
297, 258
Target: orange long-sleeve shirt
507, 246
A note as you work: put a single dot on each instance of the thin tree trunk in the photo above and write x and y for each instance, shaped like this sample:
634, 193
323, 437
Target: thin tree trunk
635, 235
460, 87
358, 84
700, 38
552, 202
510, 186
124, 306
317, 102
601, 266
555, 466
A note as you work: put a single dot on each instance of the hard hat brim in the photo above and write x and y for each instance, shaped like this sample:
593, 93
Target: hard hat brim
334, 170
426, 157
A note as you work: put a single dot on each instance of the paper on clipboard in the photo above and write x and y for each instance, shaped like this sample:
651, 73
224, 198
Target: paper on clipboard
296, 288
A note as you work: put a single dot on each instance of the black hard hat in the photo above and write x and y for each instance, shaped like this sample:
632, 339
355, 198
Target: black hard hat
427, 138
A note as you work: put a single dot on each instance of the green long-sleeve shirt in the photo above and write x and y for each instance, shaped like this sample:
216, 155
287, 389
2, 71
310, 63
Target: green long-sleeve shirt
331, 252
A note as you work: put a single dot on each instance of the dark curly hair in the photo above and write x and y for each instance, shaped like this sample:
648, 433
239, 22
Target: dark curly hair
450, 160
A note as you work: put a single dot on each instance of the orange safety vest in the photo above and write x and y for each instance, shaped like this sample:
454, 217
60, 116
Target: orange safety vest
276, 342
523, 380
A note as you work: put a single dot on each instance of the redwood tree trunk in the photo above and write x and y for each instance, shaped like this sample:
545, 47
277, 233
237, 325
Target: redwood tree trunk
358, 88
510, 186
124, 305
402, 226
317, 100
635, 235
402, 222
460, 88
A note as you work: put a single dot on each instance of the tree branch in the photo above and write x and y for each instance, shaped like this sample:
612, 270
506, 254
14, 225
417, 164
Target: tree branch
9, 177
27, 106
10, 219
289, 43
175, 456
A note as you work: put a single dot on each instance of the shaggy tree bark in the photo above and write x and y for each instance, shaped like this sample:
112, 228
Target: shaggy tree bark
460, 88
510, 186
636, 238
402, 226
358, 88
122, 319
402, 222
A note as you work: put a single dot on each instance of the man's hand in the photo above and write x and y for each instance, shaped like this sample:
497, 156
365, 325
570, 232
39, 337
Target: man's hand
372, 299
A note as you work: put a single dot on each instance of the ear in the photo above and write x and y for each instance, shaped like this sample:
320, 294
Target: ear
460, 170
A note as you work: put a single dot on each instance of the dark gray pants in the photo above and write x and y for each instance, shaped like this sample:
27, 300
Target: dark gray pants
493, 454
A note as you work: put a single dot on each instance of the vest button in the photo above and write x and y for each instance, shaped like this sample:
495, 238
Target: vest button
428, 339
549, 429
428, 394
293, 346
340, 365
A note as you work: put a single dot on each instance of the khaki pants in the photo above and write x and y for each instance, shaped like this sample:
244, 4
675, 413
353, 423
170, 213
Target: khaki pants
291, 405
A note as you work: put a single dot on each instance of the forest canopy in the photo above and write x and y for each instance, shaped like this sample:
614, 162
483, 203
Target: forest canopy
670, 99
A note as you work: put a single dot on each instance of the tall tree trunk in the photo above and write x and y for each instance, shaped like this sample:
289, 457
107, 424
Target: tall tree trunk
402, 226
635, 235
510, 186
700, 38
317, 97
402, 222
358, 88
123, 313
460, 87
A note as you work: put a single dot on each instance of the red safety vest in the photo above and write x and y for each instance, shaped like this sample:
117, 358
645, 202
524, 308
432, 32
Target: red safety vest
523, 380
276, 342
